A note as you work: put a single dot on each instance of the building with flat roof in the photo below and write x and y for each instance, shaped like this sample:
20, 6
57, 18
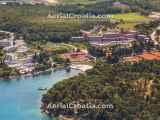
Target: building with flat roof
112, 38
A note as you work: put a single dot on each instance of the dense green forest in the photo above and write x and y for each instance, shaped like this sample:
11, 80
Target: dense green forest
106, 6
103, 6
133, 89
30, 21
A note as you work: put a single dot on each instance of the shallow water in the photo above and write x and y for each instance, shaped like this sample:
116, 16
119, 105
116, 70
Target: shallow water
20, 99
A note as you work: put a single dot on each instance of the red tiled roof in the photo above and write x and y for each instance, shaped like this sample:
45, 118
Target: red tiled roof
153, 55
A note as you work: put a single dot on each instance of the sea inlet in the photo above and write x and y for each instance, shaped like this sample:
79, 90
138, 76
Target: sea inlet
20, 99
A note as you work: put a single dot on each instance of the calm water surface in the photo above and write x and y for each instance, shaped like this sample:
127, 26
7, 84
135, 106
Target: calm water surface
20, 99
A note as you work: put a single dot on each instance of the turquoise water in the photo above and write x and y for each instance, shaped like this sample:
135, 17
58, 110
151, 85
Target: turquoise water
20, 99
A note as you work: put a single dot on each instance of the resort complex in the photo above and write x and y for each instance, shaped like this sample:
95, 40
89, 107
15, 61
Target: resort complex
25, 59
112, 37
79, 59
16, 53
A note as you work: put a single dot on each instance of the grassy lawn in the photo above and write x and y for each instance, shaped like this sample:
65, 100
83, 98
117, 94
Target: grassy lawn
128, 25
52, 47
79, 45
130, 17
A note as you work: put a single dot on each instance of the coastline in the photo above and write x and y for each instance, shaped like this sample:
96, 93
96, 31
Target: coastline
26, 75
80, 67
24, 93
35, 73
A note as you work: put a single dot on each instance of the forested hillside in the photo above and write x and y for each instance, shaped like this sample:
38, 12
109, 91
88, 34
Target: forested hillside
30, 21
105, 6
133, 89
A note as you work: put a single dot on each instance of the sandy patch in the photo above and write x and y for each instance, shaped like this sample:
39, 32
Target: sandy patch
52, 1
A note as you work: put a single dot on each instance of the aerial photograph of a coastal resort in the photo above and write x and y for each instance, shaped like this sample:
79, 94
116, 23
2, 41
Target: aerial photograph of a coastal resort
79, 59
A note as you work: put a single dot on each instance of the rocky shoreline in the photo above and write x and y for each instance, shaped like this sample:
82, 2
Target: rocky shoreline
29, 74
82, 68
24, 75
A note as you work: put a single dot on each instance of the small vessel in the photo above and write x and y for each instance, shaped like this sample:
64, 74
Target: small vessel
68, 69
42, 89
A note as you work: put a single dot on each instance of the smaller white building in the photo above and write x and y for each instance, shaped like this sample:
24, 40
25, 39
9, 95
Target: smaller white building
7, 40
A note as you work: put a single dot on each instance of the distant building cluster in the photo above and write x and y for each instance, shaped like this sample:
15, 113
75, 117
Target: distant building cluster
4, 2
21, 2
16, 52
120, 4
